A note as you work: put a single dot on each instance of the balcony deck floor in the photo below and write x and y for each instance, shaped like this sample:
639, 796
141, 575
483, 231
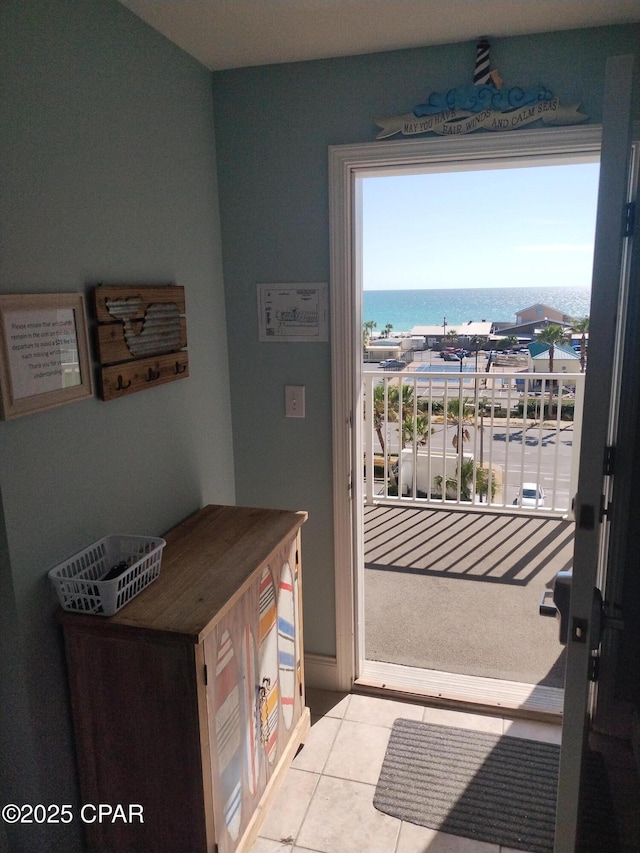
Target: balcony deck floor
459, 592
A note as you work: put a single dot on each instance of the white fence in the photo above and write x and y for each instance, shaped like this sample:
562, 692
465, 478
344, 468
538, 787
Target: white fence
472, 438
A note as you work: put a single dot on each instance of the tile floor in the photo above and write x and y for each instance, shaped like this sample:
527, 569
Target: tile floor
325, 802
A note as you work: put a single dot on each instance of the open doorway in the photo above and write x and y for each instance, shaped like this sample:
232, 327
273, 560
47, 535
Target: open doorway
464, 268
351, 167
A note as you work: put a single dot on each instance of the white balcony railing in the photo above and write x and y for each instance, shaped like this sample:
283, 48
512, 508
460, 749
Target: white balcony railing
472, 438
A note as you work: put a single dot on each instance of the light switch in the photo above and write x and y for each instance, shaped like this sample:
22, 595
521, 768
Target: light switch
294, 401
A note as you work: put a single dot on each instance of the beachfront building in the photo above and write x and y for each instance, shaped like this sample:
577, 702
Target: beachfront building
530, 321
464, 333
526, 332
536, 313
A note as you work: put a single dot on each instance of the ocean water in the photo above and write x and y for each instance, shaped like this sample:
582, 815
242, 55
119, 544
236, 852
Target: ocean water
404, 309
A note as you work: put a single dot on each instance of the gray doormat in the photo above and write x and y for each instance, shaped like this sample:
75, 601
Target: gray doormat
489, 788
480, 786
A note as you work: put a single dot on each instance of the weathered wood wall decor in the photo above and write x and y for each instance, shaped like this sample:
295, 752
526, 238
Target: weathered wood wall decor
142, 335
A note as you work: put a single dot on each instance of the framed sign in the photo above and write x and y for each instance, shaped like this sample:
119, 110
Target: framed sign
44, 352
292, 312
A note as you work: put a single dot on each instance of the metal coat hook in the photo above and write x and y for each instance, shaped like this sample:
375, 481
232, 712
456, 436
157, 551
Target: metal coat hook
180, 368
121, 386
153, 375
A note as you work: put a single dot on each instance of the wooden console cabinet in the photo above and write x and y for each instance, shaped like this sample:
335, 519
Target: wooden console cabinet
189, 702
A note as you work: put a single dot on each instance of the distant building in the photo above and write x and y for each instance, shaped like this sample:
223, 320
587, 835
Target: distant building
381, 349
536, 313
530, 321
526, 331
465, 332
565, 359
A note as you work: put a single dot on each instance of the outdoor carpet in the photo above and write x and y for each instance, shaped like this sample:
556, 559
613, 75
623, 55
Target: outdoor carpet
473, 784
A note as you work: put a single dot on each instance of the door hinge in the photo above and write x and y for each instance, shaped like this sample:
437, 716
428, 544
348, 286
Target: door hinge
606, 509
629, 219
609, 460
594, 667
206, 679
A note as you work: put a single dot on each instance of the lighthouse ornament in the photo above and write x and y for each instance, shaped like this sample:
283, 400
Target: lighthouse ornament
482, 76
484, 105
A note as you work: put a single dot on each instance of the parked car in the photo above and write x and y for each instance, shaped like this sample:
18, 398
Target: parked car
393, 364
458, 351
530, 495
451, 356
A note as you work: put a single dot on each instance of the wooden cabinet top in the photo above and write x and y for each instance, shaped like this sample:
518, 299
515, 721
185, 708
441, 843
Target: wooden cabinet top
207, 562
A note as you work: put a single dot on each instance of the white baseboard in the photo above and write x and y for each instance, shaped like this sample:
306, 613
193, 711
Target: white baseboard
320, 672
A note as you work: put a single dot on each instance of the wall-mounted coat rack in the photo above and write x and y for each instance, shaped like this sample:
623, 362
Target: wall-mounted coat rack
142, 336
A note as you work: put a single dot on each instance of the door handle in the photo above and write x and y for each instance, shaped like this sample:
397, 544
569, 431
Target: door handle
546, 609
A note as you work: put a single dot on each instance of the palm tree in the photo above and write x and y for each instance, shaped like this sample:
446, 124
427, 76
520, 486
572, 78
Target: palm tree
551, 336
460, 414
466, 470
367, 329
386, 407
482, 482
507, 343
420, 426
379, 413
386, 330
581, 326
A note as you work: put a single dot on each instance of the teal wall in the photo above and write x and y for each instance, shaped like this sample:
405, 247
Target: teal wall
107, 174
273, 127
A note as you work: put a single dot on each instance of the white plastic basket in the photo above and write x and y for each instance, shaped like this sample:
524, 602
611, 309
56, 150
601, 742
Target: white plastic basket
78, 580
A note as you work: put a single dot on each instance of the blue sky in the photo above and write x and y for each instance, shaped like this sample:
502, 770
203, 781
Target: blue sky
489, 228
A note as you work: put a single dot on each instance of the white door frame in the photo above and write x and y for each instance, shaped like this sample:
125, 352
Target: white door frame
347, 164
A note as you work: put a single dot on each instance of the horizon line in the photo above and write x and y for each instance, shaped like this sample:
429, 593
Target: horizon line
486, 287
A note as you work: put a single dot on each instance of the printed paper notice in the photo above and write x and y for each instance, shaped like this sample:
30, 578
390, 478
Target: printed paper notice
43, 351
295, 312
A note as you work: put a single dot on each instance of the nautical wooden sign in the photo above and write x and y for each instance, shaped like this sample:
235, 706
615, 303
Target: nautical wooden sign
142, 337
484, 105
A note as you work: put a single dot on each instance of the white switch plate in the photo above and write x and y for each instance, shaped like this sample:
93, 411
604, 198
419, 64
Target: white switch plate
294, 401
